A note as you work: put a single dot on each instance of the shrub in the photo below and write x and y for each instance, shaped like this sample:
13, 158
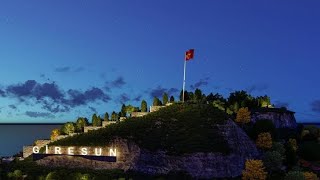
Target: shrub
294, 175
254, 169
54, 134
243, 116
273, 161
310, 176
264, 140
52, 176
293, 143
279, 147
67, 128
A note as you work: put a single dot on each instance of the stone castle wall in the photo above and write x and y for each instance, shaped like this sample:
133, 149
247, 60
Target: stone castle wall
279, 119
139, 114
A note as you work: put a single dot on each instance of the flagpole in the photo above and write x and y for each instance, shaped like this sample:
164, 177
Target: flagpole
184, 79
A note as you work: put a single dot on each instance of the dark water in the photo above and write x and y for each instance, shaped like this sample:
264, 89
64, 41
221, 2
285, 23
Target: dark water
14, 137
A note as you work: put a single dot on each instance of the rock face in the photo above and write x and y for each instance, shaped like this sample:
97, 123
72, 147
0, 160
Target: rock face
199, 165
281, 118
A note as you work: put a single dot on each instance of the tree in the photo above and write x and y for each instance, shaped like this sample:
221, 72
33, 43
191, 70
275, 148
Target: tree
264, 125
17, 174
54, 134
68, 128
294, 175
171, 99
279, 147
106, 117
291, 156
96, 120
243, 116
198, 95
264, 140
114, 116
123, 111
165, 98
144, 106
81, 123
273, 161
131, 109
254, 170
156, 102
186, 96
293, 143
310, 176
52, 176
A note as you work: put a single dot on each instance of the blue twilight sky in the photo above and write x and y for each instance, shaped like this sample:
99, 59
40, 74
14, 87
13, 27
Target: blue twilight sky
64, 59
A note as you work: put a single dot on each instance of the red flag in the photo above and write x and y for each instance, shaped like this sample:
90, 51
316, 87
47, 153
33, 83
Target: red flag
189, 54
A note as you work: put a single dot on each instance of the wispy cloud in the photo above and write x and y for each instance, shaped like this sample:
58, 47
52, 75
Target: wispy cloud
257, 87
200, 83
159, 91
34, 114
62, 69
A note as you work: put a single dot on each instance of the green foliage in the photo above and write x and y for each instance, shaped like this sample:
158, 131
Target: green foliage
272, 160
294, 175
198, 95
178, 129
96, 120
68, 128
171, 99
52, 176
17, 173
131, 109
291, 156
310, 150
165, 98
106, 117
81, 122
144, 106
279, 147
123, 111
156, 102
263, 125
114, 116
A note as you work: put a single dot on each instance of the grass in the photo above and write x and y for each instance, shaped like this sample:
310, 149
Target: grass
177, 129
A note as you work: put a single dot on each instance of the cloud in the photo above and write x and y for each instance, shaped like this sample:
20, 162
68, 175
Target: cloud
118, 83
2, 93
200, 83
62, 69
51, 98
34, 114
315, 106
257, 87
137, 98
124, 98
33, 89
12, 106
92, 109
280, 104
159, 91
78, 98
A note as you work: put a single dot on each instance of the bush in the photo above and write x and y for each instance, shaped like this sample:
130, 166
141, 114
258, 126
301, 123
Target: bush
54, 134
67, 128
294, 175
310, 151
243, 116
264, 141
279, 147
273, 161
254, 170
310, 176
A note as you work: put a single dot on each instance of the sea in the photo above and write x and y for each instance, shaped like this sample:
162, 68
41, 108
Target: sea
14, 136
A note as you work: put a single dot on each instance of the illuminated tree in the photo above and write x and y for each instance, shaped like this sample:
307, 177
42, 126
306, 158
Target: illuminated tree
293, 143
254, 170
165, 98
264, 140
106, 117
96, 120
54, 134
144, 106
81, 123
310, 176
114, 116
243, 116
171, 99
68, 128
156, 102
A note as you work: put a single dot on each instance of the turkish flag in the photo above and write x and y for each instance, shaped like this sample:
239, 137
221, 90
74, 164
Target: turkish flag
189, 54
